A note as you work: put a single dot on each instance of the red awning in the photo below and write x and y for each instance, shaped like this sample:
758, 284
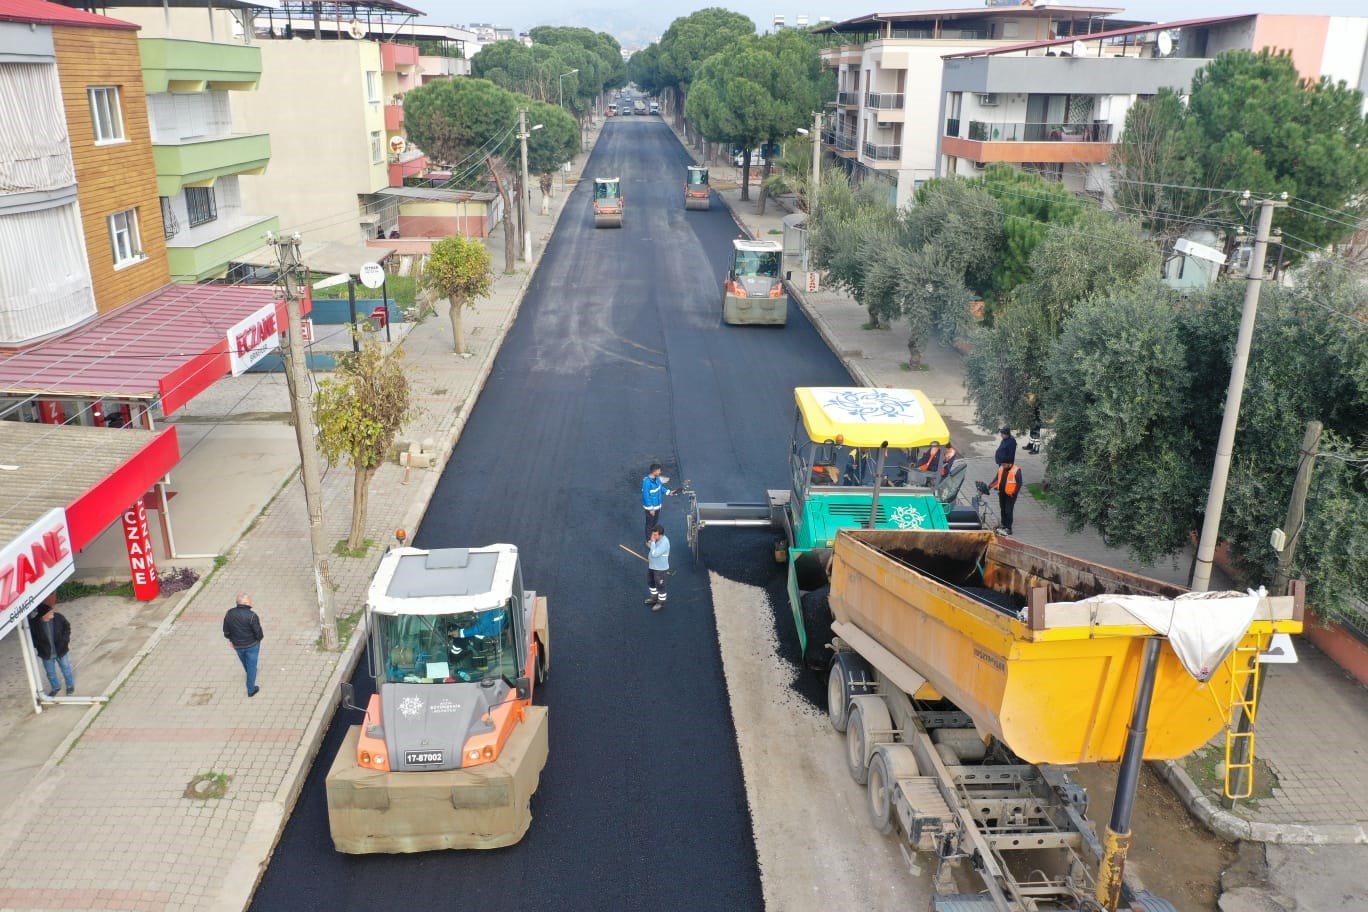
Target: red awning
169, 346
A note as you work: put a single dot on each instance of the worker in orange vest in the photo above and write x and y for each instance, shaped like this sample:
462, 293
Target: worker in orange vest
1007, 482
938, 457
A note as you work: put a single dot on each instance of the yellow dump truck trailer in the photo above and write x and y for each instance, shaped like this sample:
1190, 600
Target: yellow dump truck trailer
965, 664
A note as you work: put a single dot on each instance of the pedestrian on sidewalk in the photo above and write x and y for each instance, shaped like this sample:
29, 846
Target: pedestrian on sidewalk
657, 567
1007, 483
52, 641
1006, 451
242, 628
653, 494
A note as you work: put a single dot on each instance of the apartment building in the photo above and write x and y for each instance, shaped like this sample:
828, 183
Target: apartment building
200, 159
888, 66
1057, 107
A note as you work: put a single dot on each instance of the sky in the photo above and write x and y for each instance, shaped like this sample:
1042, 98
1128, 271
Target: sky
635, 23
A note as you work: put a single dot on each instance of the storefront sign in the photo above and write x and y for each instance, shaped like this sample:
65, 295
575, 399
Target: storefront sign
253, 339
32, 566
138, 538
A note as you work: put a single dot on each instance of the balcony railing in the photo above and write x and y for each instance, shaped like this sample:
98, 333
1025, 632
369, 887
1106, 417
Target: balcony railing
848, 99
981, 131
875, 152
884, 101
952, 125
846, 142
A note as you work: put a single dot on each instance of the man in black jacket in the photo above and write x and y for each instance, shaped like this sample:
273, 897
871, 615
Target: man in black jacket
52, 639
1006, 451
242, 628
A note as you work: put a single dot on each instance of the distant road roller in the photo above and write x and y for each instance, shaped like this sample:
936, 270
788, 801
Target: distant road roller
451, 748
608, 202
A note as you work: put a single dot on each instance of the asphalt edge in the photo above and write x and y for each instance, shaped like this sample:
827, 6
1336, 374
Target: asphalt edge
249, 866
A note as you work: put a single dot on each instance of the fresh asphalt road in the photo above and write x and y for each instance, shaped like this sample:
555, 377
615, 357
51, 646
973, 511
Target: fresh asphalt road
618, 359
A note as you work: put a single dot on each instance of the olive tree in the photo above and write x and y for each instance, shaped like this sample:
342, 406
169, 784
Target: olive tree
458, 269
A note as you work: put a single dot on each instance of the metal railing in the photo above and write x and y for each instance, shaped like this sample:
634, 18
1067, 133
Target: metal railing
884, 101
846, 142
877, 152
983, 131
848, 99
952, 125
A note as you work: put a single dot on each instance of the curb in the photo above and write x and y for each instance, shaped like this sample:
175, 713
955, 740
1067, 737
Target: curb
249, 865
1234, 828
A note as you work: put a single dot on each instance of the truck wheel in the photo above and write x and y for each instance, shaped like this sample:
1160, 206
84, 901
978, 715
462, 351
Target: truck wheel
845, 668
1147, 901
868, 722
817, 618
890, 763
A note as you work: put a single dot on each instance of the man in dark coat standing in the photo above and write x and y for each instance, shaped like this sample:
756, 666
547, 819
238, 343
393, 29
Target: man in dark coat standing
242, 628
52, 640
1006, 451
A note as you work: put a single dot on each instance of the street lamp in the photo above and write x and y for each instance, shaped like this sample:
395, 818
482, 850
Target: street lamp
560, 87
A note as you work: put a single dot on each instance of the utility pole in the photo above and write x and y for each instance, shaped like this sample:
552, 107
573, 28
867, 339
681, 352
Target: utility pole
297, 374
1225, 444
522, 197
816, 167
1291, 527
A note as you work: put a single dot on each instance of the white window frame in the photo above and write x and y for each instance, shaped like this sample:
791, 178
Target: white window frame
106, 133
377, 147
373, 86
125, 240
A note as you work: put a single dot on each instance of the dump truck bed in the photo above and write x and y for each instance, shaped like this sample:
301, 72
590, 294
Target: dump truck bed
1004, 631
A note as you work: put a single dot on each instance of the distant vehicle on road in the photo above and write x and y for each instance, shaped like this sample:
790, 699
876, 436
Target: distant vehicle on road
612, 109
608, 202
754, 291
655, 107
639, 107
697, 195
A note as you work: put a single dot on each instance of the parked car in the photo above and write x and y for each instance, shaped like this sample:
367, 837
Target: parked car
757, 160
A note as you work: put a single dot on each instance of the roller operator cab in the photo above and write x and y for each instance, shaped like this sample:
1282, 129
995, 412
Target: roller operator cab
697, 194
608, 202
754, 291
451, 748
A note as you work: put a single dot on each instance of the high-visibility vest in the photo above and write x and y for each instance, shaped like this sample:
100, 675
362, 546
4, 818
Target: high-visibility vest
930, 460
1008, 479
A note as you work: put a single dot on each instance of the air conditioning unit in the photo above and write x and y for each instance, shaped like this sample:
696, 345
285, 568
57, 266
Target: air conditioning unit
988, 100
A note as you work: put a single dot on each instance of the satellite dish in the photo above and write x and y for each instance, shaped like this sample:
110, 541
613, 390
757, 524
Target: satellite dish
1079, 49
397, 145
356, 29
1164, 44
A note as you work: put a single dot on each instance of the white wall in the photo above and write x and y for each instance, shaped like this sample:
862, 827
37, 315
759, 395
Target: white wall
312, 100
1346, 52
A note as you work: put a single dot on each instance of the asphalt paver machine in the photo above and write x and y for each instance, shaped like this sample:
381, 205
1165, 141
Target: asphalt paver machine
754, 289
451, 747
697, 193
608, 202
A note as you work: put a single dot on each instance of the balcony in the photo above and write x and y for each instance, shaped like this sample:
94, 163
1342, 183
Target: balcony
409, 164
848, 99
1029, 142
201, 162
882, 153
394, 116
397, 57
204, 252
884, 101
846, 143
177, 65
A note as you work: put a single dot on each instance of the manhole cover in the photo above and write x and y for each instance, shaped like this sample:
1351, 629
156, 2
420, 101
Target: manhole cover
207, 786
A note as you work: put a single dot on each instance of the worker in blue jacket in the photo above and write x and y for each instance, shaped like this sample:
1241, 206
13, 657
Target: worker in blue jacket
653, 494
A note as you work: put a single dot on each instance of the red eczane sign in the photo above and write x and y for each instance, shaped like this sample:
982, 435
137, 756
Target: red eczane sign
251, 339
138, 538
32, 566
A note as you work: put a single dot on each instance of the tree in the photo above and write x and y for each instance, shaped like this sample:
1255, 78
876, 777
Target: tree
692, 39
1007, 363
965, 221
359, 410
643, 70
848, 219
932, 296
459, 120
1029, 205
458, 269
1120, 459
554, 144
1253, 124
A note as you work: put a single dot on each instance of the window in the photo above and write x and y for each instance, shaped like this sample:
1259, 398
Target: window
200, 206
124, 238
169, 222
377, 148
105, 114
465, 647
372, 86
